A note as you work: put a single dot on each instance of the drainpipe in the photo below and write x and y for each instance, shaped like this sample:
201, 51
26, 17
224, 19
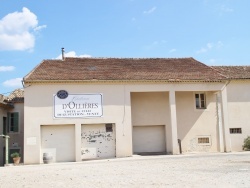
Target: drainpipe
6, 148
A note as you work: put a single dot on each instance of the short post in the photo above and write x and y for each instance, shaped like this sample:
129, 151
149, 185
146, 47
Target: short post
6, 148
179, 142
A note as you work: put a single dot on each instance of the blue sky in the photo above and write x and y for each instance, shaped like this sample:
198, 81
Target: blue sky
215, 32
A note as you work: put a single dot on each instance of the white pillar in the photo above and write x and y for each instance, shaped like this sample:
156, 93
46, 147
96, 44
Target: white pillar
227, 146
173, 121
124, 144
78, 139
219, 121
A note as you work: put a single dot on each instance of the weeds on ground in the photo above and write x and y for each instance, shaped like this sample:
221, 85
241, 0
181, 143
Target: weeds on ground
246, 145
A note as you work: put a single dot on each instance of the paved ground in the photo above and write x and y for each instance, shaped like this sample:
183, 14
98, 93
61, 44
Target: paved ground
192, 170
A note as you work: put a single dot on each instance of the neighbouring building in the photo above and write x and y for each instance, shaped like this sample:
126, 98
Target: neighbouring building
88, 108
11, 124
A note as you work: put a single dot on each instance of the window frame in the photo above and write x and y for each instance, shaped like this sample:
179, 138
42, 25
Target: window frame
13, 122
200, 101
209, 143
109, 127
235, 130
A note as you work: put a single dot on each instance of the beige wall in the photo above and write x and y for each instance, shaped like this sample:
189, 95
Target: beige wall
194, 123
152, 108
39, 111
239, 111
117, 110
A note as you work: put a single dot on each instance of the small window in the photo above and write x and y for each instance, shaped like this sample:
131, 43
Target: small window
200, 100
235, 131
203, 140
109, 127
13, 121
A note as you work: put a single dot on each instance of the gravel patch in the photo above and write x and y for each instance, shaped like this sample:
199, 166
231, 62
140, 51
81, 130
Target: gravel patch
189, 170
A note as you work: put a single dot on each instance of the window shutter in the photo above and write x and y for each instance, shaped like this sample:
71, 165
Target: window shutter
8, 122
5, 125
16, 116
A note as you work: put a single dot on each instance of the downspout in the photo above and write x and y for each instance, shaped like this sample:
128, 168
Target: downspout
23, 83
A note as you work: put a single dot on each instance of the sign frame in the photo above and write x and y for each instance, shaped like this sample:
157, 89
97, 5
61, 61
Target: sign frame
77, 106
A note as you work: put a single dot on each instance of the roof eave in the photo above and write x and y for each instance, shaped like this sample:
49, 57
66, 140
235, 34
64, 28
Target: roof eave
6, 105
120, 81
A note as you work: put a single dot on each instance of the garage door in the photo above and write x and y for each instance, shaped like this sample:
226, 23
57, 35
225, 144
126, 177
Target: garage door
98, 141
149, 139
58, 141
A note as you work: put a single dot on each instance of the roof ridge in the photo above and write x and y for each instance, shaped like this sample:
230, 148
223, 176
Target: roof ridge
127, 58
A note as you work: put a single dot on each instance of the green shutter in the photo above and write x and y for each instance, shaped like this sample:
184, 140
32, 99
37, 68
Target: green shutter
16, 118
8, 122
13, 122
4, 125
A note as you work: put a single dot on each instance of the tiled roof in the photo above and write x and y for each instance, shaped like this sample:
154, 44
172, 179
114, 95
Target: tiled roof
116, 69
234, 72
16, 96
3, 103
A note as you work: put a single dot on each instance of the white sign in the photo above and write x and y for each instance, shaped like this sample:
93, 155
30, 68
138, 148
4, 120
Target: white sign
78, 106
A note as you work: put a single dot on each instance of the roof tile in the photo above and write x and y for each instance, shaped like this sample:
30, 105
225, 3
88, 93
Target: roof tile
234, 72
81, 69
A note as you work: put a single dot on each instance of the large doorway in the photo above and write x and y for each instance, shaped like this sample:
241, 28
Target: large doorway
149, 139
58, 141
98, 141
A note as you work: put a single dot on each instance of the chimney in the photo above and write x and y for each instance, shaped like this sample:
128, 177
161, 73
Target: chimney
62, 53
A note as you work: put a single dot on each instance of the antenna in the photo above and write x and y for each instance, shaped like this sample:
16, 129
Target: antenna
62, 53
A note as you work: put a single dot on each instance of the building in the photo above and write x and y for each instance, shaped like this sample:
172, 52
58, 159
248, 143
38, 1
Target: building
11, 123
89, 108
238, 103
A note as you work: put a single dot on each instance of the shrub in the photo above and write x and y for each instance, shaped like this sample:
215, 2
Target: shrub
16, 154
246, 145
